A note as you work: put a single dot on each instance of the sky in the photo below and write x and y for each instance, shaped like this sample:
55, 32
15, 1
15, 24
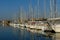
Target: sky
10, 8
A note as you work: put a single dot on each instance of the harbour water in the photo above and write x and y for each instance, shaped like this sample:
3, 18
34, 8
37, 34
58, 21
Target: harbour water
11, 33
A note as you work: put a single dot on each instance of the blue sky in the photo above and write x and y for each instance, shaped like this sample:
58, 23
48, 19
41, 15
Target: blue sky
10, 8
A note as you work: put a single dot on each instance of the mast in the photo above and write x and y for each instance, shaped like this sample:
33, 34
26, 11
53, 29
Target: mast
25, 15
31, 11
50, 8
55, 11
35, 11
44, 8
14, 18
38, 8
21, 14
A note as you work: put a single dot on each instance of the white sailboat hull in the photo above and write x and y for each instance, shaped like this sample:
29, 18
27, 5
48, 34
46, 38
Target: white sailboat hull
32, 26
37, 27
22, 25
14, 25
56, 28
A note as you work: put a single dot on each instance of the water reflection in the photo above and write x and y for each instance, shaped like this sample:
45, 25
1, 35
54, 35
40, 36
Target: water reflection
31, 34
56, 36
11, 33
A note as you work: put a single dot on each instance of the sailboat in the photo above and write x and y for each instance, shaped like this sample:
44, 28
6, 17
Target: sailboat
55, 22
38, 25
14, 22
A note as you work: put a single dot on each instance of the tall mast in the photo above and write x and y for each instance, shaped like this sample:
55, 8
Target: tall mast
55, 11
31, 11
44, 8
50, 8
18, 15
35, 11
38, 8
21, 14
